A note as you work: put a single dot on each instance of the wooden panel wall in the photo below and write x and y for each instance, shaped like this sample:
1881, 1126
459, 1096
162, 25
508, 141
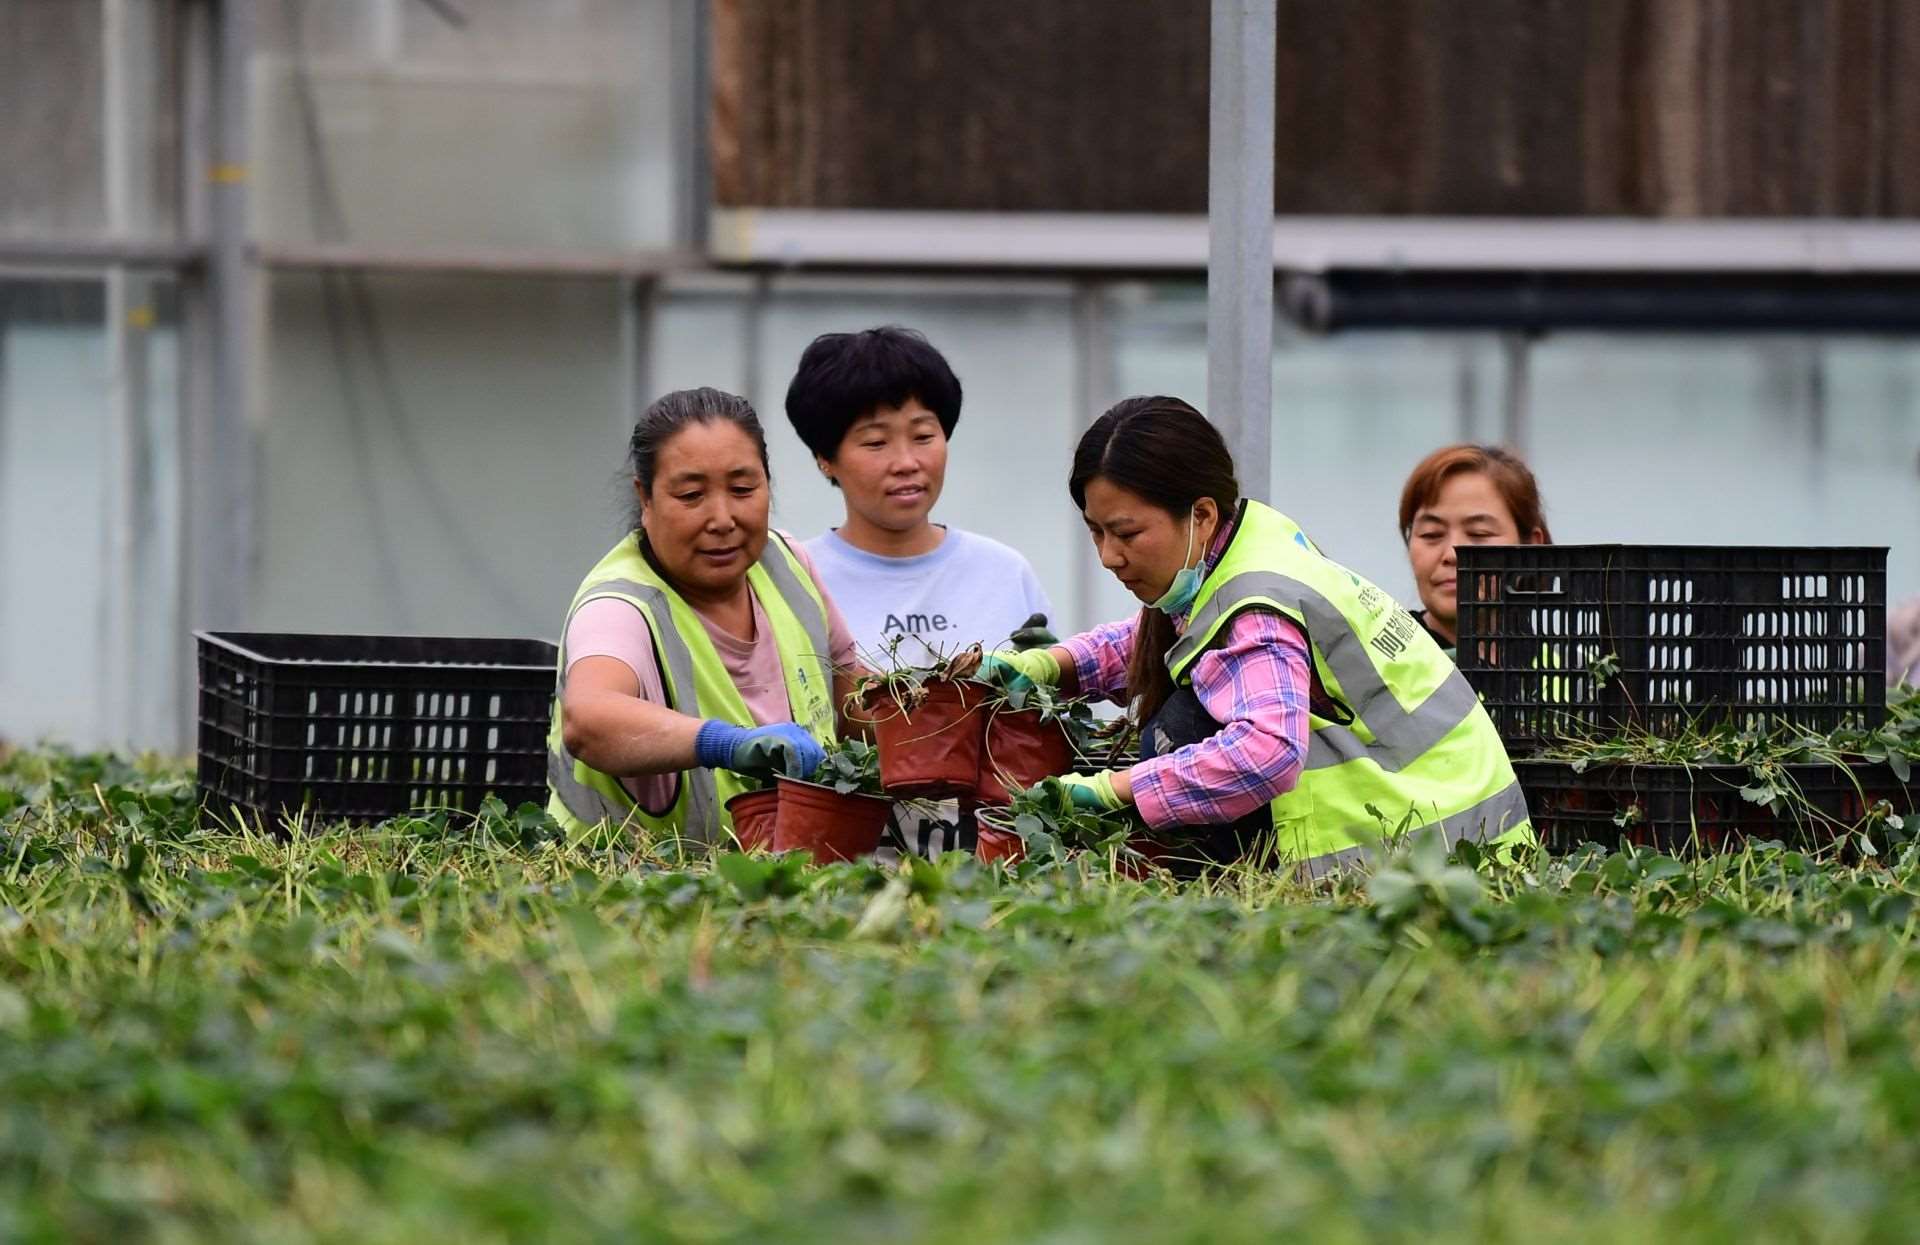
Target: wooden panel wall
1431, 107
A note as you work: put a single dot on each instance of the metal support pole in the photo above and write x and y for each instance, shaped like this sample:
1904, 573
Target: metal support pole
753, 341
1517, 409
1240, 237
1093, 393
218, 469
1466, 391
692, 93
639, 312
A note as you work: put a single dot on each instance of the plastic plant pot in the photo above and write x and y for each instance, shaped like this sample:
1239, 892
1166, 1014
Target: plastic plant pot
753, 815
1020, 748
933, 747
998, 839
828, 825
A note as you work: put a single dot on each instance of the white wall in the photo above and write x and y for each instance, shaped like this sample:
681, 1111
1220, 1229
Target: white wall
470, 495
539, 123
53, 423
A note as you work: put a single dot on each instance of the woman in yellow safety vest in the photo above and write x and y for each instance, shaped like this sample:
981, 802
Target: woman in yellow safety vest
1463, 495
1288, 705
702, 647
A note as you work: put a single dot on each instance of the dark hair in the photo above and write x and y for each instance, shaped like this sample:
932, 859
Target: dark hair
1167, 452
847, 376
672, 412
1510, 477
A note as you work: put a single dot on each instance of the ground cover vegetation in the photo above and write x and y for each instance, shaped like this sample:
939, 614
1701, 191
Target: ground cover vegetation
1869, 770
473, 1028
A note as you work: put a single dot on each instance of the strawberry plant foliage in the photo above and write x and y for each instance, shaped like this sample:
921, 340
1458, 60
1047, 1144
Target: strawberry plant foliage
851, 766
460, 1024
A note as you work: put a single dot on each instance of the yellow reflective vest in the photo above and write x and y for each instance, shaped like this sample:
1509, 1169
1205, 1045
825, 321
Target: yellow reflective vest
1410, 743
697, 684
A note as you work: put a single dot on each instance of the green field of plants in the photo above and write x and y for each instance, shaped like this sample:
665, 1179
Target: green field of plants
469, 1029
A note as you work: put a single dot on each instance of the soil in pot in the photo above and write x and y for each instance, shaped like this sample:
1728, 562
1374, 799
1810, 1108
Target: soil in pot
1020, 748
930, 746
998, 840
831, 826
753, 813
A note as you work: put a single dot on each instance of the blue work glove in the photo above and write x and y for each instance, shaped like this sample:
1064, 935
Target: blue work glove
1093, 792
1033, 633
1017, 669
762, 751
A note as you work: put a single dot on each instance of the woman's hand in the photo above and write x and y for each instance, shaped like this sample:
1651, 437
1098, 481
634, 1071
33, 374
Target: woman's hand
1013, 668
1108, 791
1033, 633
782, 748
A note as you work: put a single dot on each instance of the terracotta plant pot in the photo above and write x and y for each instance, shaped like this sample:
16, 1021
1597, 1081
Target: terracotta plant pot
753, 813
998, 842
831, 826
931, 748
1019, 750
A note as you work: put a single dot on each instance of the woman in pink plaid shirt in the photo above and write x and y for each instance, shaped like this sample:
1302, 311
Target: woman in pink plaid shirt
1155, 484
1152, 499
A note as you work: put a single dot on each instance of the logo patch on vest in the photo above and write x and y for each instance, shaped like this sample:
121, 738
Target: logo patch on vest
1392, 640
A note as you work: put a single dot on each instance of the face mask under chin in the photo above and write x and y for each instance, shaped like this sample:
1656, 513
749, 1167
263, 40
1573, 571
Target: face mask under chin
1186, 581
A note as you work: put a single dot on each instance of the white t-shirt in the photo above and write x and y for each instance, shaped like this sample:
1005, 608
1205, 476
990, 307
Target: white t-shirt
970, 589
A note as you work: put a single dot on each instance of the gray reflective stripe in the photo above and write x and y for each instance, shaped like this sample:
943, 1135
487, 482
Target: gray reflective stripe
703, 797
1489, 819
1401, 735
812, 615
1402, 739
586, 804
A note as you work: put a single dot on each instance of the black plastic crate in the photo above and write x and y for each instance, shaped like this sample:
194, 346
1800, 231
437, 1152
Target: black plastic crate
1699, 807
1580, 640
363, 727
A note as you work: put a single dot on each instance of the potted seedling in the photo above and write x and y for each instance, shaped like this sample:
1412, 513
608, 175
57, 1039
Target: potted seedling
1043, 822
840, 814
929, 723
1028, 736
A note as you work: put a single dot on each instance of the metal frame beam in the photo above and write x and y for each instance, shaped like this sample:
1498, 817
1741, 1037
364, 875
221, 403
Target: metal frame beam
1136, 243
99, 252
1240, 237
357, 257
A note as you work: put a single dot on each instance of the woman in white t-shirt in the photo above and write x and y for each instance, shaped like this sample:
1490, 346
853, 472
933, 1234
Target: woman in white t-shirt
876, 408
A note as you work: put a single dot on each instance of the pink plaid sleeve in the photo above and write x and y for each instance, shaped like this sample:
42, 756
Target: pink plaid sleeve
1100, 659
1257, 685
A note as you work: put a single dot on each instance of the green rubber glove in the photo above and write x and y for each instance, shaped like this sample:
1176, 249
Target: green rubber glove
1015, 669
1033, 633
1093, 792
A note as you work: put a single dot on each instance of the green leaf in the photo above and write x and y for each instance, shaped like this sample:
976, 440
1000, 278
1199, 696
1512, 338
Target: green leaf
746, 874
1393, 892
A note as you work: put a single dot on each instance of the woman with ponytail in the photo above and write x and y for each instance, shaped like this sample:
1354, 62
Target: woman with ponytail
1287, 706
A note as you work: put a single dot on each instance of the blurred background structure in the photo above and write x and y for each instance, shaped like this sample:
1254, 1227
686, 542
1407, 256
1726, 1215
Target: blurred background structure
333, 315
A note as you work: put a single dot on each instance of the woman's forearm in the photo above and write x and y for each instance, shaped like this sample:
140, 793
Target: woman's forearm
626, 736
1069, 680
